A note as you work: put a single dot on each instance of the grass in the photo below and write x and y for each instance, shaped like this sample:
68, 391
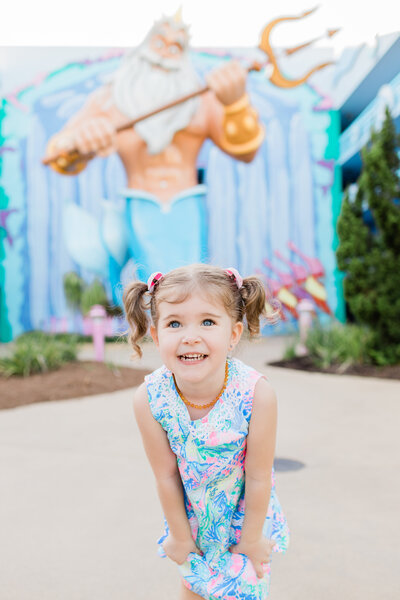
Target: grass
77, 337
38, 352
343, 345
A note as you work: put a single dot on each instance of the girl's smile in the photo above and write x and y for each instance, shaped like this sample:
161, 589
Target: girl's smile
192, 358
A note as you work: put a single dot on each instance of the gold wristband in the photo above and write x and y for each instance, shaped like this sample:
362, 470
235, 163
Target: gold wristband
242, 131
241, 104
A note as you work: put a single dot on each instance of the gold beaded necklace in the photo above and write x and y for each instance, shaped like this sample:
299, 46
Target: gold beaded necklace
210, 404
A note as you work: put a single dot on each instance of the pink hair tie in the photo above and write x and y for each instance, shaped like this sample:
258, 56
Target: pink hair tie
153, 279
236, 276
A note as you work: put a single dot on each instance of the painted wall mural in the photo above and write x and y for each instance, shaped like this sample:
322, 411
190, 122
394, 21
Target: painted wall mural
269, 216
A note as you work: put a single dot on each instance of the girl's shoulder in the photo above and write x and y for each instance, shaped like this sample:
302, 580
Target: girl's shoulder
158, 376
242, 385
158, 383
244, 375
160, 392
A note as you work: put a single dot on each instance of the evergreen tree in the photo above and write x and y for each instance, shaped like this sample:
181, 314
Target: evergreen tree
370, 256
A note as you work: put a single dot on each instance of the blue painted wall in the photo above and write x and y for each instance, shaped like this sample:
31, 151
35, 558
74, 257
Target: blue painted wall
291, 191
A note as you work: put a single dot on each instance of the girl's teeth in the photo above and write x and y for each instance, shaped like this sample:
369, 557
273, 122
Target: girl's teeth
193, 357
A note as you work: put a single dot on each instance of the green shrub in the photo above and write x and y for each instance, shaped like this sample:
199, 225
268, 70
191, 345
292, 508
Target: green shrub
388, 356
80, 297
73, 289
92, 295
290, 351
39, 336
369, 252
337, 345
343, 345
37, 352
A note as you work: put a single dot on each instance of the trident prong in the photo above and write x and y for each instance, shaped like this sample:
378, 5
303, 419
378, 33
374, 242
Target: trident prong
276, 76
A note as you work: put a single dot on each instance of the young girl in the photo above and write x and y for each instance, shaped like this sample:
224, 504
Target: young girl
208, 424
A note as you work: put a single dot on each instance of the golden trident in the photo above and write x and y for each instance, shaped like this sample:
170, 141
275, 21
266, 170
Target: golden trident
276, 77
75, 162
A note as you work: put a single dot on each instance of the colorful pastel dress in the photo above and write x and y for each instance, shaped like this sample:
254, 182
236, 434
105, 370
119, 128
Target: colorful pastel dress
210, 455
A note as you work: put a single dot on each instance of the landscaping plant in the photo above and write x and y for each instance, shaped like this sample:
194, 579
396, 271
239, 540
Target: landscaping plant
338, 345
93, 294
73, 290
38, 352
344, 345
80, 297
369, 249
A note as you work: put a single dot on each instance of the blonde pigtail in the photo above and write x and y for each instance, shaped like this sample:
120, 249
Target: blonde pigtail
253, 296
258, 302
136, 313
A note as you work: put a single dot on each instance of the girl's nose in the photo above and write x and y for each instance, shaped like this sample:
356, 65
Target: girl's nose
191, 339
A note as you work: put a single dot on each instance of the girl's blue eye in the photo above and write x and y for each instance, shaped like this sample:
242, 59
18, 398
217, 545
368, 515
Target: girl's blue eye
174, 324
208, 322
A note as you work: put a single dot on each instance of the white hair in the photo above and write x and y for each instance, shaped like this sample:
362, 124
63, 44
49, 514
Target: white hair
140, 85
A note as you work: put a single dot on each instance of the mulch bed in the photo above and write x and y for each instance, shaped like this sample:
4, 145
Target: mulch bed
304, 363
72, 380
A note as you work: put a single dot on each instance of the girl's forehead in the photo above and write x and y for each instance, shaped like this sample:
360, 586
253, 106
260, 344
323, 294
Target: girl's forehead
194, 303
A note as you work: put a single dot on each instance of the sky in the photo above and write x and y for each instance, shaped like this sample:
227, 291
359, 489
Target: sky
214, 23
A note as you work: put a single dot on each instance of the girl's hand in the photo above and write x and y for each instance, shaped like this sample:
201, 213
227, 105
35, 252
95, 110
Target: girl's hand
178, 550
258, 552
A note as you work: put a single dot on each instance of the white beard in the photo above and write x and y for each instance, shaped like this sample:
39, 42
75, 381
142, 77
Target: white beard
140, 87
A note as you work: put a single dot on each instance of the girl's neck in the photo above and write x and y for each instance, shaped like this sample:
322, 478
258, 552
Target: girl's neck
203, 392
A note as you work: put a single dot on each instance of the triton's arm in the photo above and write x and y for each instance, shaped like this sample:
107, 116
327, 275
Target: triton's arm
233, 123
91, 129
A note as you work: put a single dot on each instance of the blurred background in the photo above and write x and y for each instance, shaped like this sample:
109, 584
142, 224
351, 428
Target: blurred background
315, 213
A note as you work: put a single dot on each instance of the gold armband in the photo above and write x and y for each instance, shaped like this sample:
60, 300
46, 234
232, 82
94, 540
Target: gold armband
242, 130
66, 163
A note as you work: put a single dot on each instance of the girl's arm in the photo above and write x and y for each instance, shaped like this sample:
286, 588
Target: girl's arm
258, 466
169, 484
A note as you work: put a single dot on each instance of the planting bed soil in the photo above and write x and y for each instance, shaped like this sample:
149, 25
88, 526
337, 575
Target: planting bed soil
72, 380
304, 363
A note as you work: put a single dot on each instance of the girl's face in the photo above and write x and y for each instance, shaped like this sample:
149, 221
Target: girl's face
194, 337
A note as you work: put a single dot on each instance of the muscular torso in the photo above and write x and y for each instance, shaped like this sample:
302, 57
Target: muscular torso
174, 169
165, 174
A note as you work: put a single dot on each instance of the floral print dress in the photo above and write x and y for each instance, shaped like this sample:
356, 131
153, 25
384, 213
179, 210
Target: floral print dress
210, 455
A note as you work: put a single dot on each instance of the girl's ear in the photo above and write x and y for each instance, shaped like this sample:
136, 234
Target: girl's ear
237, 331
153, 333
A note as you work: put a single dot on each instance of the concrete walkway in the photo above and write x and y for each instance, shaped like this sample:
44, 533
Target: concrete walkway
79, 514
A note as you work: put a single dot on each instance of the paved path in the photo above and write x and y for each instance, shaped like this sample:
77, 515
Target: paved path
79, 515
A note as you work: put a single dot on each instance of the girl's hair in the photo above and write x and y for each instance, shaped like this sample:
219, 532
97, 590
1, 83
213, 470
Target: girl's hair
248, 302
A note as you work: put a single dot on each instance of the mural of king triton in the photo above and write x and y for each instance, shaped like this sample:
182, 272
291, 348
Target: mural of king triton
164, 223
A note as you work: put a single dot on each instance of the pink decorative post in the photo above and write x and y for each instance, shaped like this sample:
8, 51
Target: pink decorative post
306, 310
53, 324
98, 316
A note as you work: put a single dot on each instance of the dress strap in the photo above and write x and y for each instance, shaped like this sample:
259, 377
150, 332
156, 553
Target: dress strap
244, 381
158, 386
